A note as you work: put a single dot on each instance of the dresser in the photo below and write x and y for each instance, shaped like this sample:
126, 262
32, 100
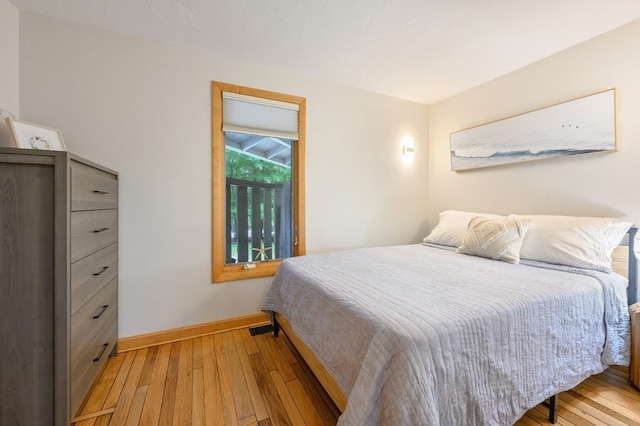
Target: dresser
58, 282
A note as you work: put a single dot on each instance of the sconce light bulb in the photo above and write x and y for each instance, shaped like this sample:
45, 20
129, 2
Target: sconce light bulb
408, 149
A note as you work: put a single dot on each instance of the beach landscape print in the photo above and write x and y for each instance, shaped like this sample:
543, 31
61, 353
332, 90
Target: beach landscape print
579, 126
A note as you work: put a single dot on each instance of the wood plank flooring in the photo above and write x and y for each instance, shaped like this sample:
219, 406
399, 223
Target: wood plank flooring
233, 378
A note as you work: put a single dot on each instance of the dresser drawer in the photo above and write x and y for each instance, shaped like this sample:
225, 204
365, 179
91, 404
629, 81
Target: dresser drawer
90, 318
90, 274
92, 231
94, 331
92, 189
85, 371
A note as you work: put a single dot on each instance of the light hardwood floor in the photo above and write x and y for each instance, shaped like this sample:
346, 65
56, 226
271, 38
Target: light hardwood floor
233, 378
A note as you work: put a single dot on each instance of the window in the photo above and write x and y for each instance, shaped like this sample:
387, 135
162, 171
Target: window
258, 181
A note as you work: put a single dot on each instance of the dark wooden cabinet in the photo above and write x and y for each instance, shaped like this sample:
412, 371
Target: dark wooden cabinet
58, 282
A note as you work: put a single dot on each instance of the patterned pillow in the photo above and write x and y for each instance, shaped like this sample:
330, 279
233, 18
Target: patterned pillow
452, 226
498, 240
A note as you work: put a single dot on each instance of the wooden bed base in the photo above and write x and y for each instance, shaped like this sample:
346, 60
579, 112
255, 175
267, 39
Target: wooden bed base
318, 369
340, 399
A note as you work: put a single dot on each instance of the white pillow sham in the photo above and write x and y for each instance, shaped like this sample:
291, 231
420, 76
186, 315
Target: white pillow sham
453, 225
584, 242
495, 239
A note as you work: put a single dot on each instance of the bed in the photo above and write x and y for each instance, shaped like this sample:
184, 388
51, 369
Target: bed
423, 334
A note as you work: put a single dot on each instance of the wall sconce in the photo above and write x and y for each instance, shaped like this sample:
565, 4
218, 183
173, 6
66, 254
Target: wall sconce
407, 149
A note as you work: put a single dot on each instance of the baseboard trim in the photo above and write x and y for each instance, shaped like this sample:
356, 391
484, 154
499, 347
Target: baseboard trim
176, 334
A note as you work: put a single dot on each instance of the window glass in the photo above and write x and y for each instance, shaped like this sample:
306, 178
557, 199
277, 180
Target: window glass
259, 198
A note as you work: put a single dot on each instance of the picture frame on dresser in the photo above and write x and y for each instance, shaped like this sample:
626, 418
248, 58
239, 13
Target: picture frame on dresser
35, 136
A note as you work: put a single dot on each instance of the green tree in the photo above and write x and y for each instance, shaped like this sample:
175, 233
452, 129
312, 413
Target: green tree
247, 167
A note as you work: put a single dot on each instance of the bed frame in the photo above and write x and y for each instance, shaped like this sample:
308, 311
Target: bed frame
632, 290
332, 388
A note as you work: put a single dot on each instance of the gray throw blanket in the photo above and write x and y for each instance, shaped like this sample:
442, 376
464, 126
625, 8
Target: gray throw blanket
417, 335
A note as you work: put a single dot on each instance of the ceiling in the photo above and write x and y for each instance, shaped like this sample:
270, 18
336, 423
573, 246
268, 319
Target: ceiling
420, 50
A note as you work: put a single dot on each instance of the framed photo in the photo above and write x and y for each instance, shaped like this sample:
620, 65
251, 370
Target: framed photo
34, 136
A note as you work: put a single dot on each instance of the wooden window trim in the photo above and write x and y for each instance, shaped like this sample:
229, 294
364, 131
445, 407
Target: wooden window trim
222, 272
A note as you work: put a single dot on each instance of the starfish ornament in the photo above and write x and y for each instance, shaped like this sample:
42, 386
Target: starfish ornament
261, 252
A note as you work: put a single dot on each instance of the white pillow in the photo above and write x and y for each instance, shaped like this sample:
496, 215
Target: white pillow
495, 239
585, 242
453, 225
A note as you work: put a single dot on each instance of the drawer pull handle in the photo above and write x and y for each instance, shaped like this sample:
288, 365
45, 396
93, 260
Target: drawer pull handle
104, 268
95, 231
104, 348
99, 314
97, 191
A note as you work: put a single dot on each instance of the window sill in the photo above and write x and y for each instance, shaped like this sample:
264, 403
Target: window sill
226, 273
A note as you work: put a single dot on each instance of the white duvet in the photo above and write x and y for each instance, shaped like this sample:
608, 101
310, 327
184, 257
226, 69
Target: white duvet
417, 335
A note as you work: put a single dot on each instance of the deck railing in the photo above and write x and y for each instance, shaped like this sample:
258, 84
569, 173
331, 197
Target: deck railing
257, 217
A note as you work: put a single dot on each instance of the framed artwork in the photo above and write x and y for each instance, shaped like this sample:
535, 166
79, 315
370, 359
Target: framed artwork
34, 136
580, 126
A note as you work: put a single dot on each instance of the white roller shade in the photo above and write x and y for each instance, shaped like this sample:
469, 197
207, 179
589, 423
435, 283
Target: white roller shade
259, 116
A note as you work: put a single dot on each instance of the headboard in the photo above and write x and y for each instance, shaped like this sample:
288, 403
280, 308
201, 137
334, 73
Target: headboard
625, 262
632, 290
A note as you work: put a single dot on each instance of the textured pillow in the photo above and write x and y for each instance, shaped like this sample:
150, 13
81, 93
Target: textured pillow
584, 242
498, 240
453, 225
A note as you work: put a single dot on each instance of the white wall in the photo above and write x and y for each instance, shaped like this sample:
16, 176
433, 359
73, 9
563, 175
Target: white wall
143, 108
603, 184
9, 70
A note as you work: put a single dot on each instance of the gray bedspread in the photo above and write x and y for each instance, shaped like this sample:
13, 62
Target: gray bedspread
417, 335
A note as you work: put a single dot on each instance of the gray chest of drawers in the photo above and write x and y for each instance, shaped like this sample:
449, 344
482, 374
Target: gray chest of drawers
58, 282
